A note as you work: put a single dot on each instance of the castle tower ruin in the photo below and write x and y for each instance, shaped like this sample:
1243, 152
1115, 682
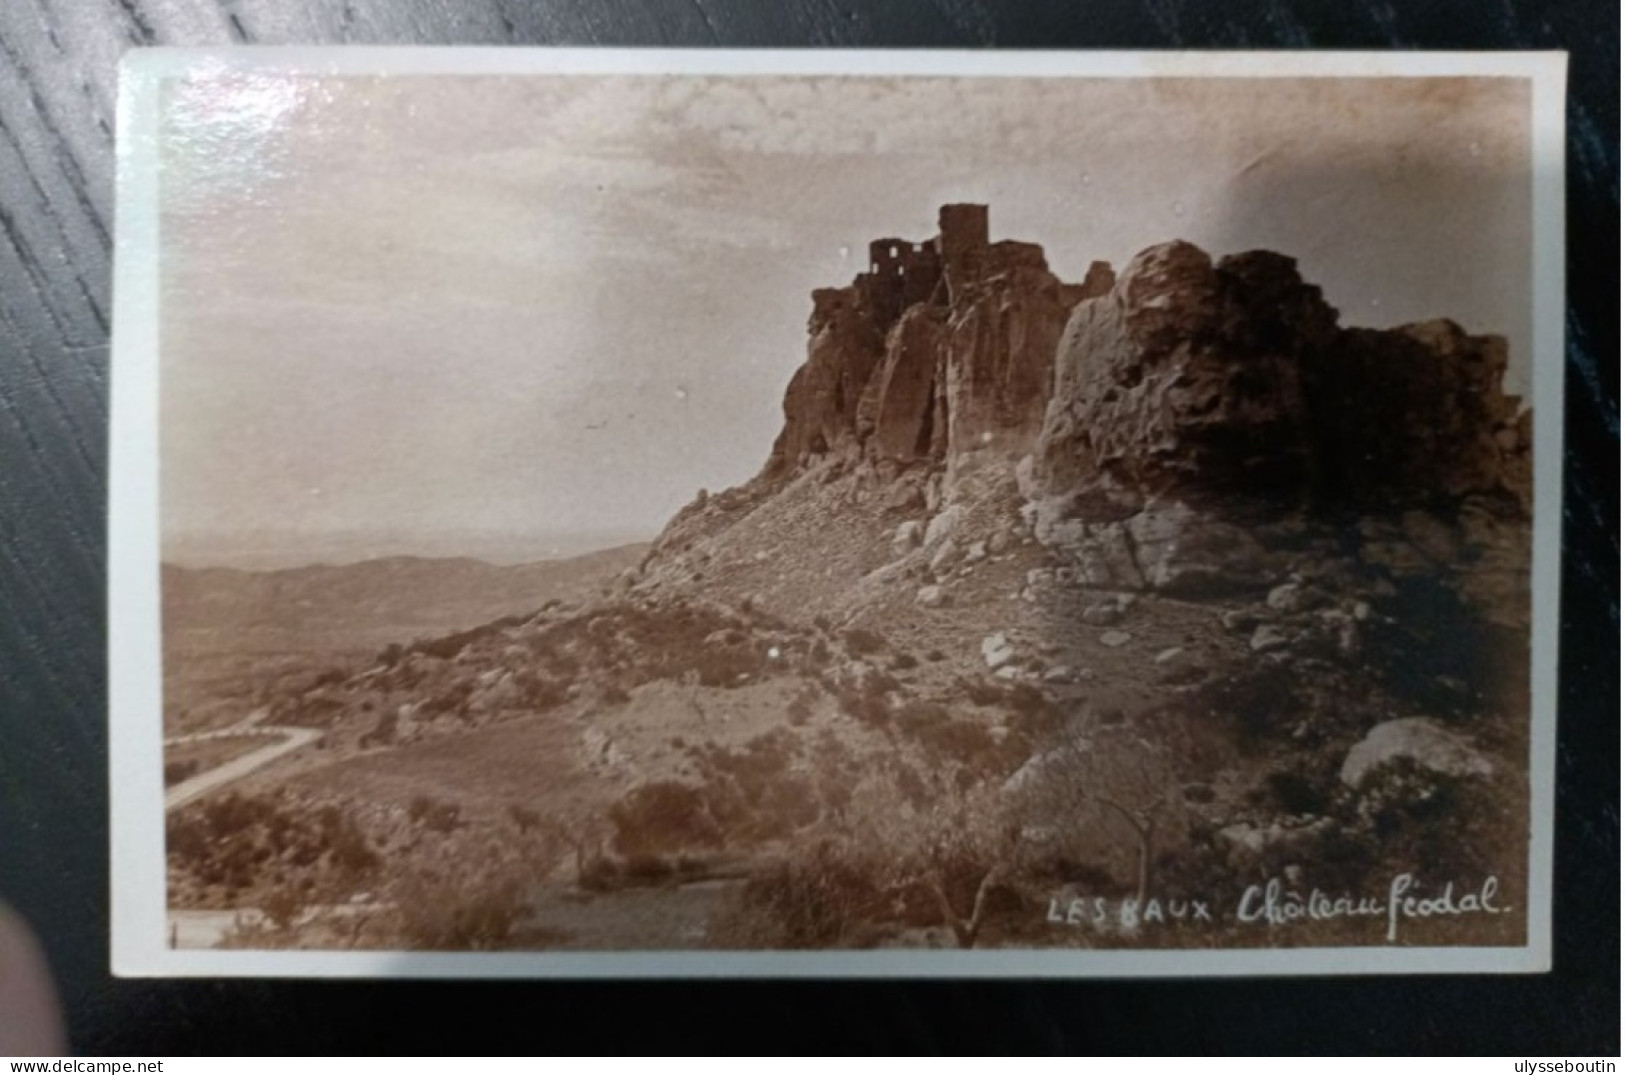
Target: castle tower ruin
962, 239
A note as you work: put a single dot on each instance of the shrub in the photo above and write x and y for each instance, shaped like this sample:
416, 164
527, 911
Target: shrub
982, 692
461, 913
434, 814
647, 869
525, 818
783, 807
177, 771
1458, 826
233, 840
861, 642
540, 693
827, 899
800, 709
968, 743
283, 905
1297, 793
916, 715
870, 707
660, 817
384, 730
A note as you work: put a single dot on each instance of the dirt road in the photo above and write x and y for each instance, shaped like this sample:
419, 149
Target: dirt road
286, 741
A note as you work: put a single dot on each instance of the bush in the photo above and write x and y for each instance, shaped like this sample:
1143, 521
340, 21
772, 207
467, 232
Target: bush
464, 914
235, 841
800, 709
869, 707
434, 814
916, 716
982, 692
525, 818
828, 899
938, 861
861, 642
383, 732
646, 869
1457, 826
662, 817
540, 693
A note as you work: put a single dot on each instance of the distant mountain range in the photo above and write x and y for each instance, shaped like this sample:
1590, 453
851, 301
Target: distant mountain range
271, 550
376, 601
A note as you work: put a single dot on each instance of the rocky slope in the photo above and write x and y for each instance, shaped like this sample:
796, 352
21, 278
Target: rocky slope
1181, 494
1164, 427
1160, 582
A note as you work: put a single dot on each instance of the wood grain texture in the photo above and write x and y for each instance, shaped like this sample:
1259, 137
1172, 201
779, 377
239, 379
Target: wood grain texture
57, 73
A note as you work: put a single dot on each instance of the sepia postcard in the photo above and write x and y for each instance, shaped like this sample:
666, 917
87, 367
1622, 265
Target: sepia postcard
695, 513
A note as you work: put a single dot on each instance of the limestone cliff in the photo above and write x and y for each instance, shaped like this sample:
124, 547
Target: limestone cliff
941, 347
1180, 376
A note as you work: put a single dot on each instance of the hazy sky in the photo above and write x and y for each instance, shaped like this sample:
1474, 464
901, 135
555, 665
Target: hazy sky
509, 315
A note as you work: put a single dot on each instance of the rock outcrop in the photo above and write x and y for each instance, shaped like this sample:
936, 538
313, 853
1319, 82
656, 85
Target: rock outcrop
1189, 427
1192, 377
1180, 377
941, 348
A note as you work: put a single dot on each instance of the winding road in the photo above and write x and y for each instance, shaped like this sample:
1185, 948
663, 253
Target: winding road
286, 739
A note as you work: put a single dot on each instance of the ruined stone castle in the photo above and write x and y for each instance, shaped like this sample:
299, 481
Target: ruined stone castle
1179, 371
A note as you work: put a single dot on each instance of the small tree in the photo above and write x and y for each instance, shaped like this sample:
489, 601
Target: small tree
956, 846
1094, 782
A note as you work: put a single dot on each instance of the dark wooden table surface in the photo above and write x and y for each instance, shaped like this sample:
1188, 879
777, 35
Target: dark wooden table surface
57, 67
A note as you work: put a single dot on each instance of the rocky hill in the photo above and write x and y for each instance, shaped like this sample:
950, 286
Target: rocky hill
1184, 426
1161, 582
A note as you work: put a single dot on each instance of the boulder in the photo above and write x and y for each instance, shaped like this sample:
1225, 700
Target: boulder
1420, 739
1268, 637
1160, 381
1107, 612
943, 524
997, 650
909, 536
1288, 597
1180, 550
1101, 614
904, 495
945, 558
1105, 558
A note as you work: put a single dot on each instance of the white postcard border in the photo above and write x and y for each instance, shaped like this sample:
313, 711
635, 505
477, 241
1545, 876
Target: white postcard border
135, 732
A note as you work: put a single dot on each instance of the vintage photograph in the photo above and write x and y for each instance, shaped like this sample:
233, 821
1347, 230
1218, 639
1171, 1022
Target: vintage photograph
904, 511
